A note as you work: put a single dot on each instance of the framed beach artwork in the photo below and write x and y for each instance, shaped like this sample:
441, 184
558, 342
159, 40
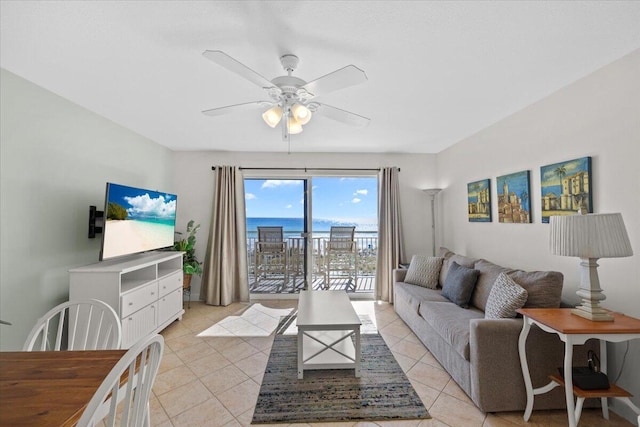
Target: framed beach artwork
566, 188
513, 198
479, 201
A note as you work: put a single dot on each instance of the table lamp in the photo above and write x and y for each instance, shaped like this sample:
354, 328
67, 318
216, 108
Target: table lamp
589, 237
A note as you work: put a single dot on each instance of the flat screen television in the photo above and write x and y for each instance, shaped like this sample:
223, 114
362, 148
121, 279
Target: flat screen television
137, 220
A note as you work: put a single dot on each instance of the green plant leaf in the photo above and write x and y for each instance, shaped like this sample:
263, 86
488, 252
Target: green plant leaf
190, 263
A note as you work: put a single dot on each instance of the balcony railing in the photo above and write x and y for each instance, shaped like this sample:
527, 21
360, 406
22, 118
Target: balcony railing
366, 252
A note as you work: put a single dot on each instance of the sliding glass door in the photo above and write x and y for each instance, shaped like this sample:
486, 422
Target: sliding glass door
277, 223
292, 227
349, 206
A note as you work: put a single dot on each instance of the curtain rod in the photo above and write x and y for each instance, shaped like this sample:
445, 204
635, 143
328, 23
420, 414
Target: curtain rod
307, 169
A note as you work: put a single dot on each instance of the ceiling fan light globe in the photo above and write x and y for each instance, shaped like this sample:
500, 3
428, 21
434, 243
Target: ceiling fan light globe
272, 116
295, 126
301, 113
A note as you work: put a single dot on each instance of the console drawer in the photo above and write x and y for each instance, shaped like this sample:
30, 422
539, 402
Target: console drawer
170, 283
138, 298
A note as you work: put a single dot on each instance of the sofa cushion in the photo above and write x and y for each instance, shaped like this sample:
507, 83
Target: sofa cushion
544, 288
451, 323
459, 284
448, 258
413, 295
424, 271
505, 298
488, 274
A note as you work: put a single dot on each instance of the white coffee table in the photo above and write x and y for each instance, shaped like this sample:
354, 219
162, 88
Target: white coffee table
326, 322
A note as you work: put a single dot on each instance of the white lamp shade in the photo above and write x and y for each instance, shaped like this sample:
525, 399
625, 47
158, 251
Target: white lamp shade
294, 126
589, 236
301, 113
272, 116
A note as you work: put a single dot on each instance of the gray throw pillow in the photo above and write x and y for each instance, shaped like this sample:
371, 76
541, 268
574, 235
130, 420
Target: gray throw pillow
459, 284
424, 271
544, 287
505, 298
449, 257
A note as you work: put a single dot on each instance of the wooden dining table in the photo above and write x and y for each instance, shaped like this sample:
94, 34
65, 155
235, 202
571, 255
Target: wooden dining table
50, 388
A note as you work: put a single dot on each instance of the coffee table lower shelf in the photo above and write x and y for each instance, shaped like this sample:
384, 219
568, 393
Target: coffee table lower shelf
328, 350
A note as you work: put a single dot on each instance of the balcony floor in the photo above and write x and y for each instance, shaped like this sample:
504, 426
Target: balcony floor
364, 285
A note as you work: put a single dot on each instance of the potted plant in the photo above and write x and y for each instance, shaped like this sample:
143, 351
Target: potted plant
190, 264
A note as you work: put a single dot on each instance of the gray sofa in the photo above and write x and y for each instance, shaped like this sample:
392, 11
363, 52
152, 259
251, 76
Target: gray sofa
480, 354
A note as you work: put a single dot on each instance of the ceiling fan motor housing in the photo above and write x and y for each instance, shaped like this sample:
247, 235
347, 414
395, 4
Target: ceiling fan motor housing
291, 90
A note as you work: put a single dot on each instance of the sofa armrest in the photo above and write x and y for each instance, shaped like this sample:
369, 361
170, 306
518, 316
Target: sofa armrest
496, 374
495, 362
399, 274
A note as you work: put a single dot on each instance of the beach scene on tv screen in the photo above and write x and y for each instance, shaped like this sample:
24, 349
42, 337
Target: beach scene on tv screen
137, 220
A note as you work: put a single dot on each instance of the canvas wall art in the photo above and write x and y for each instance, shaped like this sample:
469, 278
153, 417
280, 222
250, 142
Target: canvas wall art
566, 187
479, 201
513, 198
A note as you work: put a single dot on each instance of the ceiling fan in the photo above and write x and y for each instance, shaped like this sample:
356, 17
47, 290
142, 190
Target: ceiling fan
291, 99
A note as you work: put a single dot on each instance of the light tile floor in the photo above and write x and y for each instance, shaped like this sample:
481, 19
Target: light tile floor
215, 357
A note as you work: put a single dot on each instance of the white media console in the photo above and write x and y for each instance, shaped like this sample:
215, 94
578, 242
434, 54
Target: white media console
145, 290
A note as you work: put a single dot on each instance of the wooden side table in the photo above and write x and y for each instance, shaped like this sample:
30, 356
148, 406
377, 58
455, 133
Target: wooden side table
575, 330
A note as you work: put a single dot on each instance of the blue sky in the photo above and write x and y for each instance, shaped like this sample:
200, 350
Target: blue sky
333, 198
141, 203
550, 181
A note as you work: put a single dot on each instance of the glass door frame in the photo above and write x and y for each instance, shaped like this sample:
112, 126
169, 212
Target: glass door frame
296, 174
292, 175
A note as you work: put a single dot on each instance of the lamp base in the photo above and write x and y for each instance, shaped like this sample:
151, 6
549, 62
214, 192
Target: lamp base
591, 293
594, 314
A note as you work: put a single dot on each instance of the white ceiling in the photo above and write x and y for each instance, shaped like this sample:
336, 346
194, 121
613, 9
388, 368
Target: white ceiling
438, 71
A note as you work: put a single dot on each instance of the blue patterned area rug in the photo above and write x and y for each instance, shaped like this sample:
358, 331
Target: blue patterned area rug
382, 392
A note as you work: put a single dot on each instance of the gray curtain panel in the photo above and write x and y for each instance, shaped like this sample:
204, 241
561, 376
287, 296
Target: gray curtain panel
390, 245
225, 278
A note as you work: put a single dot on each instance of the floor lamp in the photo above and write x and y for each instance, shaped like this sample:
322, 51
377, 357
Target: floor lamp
433, 192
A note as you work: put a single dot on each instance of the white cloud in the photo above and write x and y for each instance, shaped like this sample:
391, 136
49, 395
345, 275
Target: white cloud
249, 196
355, 200
274, 183
288, 206
145, 206
361, 192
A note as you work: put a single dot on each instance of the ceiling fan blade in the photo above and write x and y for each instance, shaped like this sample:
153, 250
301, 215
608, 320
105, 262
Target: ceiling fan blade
233, 65
236, 108
339, 79
344, 116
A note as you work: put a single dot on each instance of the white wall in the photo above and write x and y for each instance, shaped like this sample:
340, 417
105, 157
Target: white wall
194, 184
597, 116
55, 160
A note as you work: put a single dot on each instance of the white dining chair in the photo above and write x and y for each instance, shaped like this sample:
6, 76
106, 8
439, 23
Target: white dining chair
124, 394
87, 324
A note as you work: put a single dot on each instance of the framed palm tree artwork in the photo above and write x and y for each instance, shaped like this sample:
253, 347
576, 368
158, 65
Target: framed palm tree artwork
566, 188
513, 198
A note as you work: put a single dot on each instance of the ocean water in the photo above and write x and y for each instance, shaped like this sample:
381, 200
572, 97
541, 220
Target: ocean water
292, 227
